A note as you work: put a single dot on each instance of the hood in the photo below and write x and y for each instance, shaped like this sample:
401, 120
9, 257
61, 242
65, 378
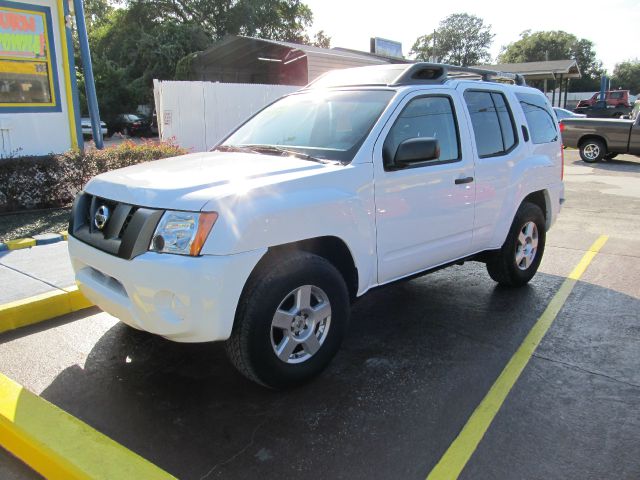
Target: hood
190, 181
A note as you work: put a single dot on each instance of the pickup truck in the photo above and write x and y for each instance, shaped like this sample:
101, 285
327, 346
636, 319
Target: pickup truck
365, 177
599, 139
603, 110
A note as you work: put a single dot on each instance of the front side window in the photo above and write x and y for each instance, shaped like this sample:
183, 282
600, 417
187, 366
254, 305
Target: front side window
542, 124
327, 125
492, 122
430, 116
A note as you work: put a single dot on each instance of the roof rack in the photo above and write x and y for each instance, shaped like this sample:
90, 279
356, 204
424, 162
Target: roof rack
422, 72
410, 74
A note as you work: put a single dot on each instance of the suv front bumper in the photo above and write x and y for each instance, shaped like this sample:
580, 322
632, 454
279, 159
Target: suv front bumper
184, 299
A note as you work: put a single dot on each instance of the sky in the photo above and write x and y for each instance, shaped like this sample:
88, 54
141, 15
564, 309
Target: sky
350, 23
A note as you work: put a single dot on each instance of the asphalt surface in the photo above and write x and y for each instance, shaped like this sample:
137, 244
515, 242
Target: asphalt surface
418, 358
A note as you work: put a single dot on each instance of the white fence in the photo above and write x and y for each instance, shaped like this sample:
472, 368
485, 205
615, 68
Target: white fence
199, 114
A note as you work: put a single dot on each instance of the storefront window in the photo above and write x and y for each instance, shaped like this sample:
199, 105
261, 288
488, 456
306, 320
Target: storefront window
27, 63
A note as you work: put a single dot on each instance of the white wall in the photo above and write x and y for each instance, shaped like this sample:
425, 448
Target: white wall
43, 132
199, 114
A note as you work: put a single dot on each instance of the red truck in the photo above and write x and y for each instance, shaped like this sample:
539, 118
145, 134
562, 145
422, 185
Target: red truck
616, 98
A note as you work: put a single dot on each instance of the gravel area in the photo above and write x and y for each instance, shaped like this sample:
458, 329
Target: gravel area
27, 224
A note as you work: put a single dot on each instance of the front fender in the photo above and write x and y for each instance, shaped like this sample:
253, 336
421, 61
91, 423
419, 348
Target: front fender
278, 215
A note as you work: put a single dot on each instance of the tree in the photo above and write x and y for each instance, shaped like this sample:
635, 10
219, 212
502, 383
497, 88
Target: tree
626, 75
321, 40
285, 20
460, 39
147, 39
130, 48
557, 45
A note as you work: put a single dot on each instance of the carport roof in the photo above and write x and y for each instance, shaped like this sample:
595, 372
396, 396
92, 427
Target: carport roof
540, 70
237, 50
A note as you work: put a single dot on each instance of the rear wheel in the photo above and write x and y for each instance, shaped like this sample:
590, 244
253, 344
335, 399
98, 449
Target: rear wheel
593, 150
519, 258
290, 320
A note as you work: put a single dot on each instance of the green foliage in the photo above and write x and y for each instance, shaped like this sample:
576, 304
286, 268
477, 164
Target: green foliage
626, 75
557, 45
321, 40
53, 180
272, 19
149, 39
460, 39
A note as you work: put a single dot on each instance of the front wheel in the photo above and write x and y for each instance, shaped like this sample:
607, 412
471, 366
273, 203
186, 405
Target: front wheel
519, 258
593, 150
290, 321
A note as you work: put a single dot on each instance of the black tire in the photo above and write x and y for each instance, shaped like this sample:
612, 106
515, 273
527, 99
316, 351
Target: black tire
610, 156
592, 150
502, 265
250, 346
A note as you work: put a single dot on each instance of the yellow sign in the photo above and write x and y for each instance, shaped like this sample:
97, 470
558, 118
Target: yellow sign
24, 68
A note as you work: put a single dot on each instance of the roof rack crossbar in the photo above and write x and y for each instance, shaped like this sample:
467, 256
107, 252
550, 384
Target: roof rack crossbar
435, 73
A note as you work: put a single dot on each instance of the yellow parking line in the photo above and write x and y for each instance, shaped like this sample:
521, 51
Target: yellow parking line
459, 452
41, 307
59, 446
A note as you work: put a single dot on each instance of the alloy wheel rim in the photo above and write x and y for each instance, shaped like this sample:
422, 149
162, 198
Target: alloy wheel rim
527, 246
591, 151
300, 324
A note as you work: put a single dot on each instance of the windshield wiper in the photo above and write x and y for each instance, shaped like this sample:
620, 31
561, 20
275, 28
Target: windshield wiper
271, 149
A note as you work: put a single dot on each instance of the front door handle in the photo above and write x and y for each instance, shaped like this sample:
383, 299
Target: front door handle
460, 181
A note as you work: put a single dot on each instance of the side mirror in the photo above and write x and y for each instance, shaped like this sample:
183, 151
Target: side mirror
416, 150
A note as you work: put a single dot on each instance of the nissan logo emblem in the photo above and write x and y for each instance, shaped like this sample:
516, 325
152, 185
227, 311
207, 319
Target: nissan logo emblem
101, 217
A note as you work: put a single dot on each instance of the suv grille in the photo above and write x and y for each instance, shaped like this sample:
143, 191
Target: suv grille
126, 232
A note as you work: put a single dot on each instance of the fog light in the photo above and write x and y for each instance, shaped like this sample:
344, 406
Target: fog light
158, 242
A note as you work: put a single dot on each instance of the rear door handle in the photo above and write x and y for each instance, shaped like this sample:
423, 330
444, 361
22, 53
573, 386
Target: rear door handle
460, 181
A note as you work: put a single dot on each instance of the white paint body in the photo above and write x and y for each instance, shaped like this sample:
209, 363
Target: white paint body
394, 223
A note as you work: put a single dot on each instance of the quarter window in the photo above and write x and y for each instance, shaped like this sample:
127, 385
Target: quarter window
492, 122
542, 123
430, 116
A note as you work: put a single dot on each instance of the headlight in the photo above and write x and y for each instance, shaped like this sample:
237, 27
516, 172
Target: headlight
183, 233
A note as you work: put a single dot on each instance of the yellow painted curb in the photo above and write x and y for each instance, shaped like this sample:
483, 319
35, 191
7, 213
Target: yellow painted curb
20, 243
59, 446
65, 235
41, 307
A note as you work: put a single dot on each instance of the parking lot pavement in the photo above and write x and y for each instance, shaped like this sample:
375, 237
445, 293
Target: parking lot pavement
418, 359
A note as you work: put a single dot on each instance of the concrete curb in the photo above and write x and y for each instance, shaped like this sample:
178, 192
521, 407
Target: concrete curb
60, 446
41, 307
43, 239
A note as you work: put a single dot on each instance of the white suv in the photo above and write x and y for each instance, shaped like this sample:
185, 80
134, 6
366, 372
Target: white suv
364, 177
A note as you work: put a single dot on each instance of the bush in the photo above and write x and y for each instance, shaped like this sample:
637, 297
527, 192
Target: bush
53, 180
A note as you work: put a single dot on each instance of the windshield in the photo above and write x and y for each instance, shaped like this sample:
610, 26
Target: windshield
323, 124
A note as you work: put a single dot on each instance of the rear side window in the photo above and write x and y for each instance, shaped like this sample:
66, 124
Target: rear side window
542, 123
492, 122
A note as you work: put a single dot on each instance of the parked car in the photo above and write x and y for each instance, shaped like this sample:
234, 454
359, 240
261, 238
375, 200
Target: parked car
612, 97
602, 110
365, 177
604, 138
562, 113
85, 123
130, 125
